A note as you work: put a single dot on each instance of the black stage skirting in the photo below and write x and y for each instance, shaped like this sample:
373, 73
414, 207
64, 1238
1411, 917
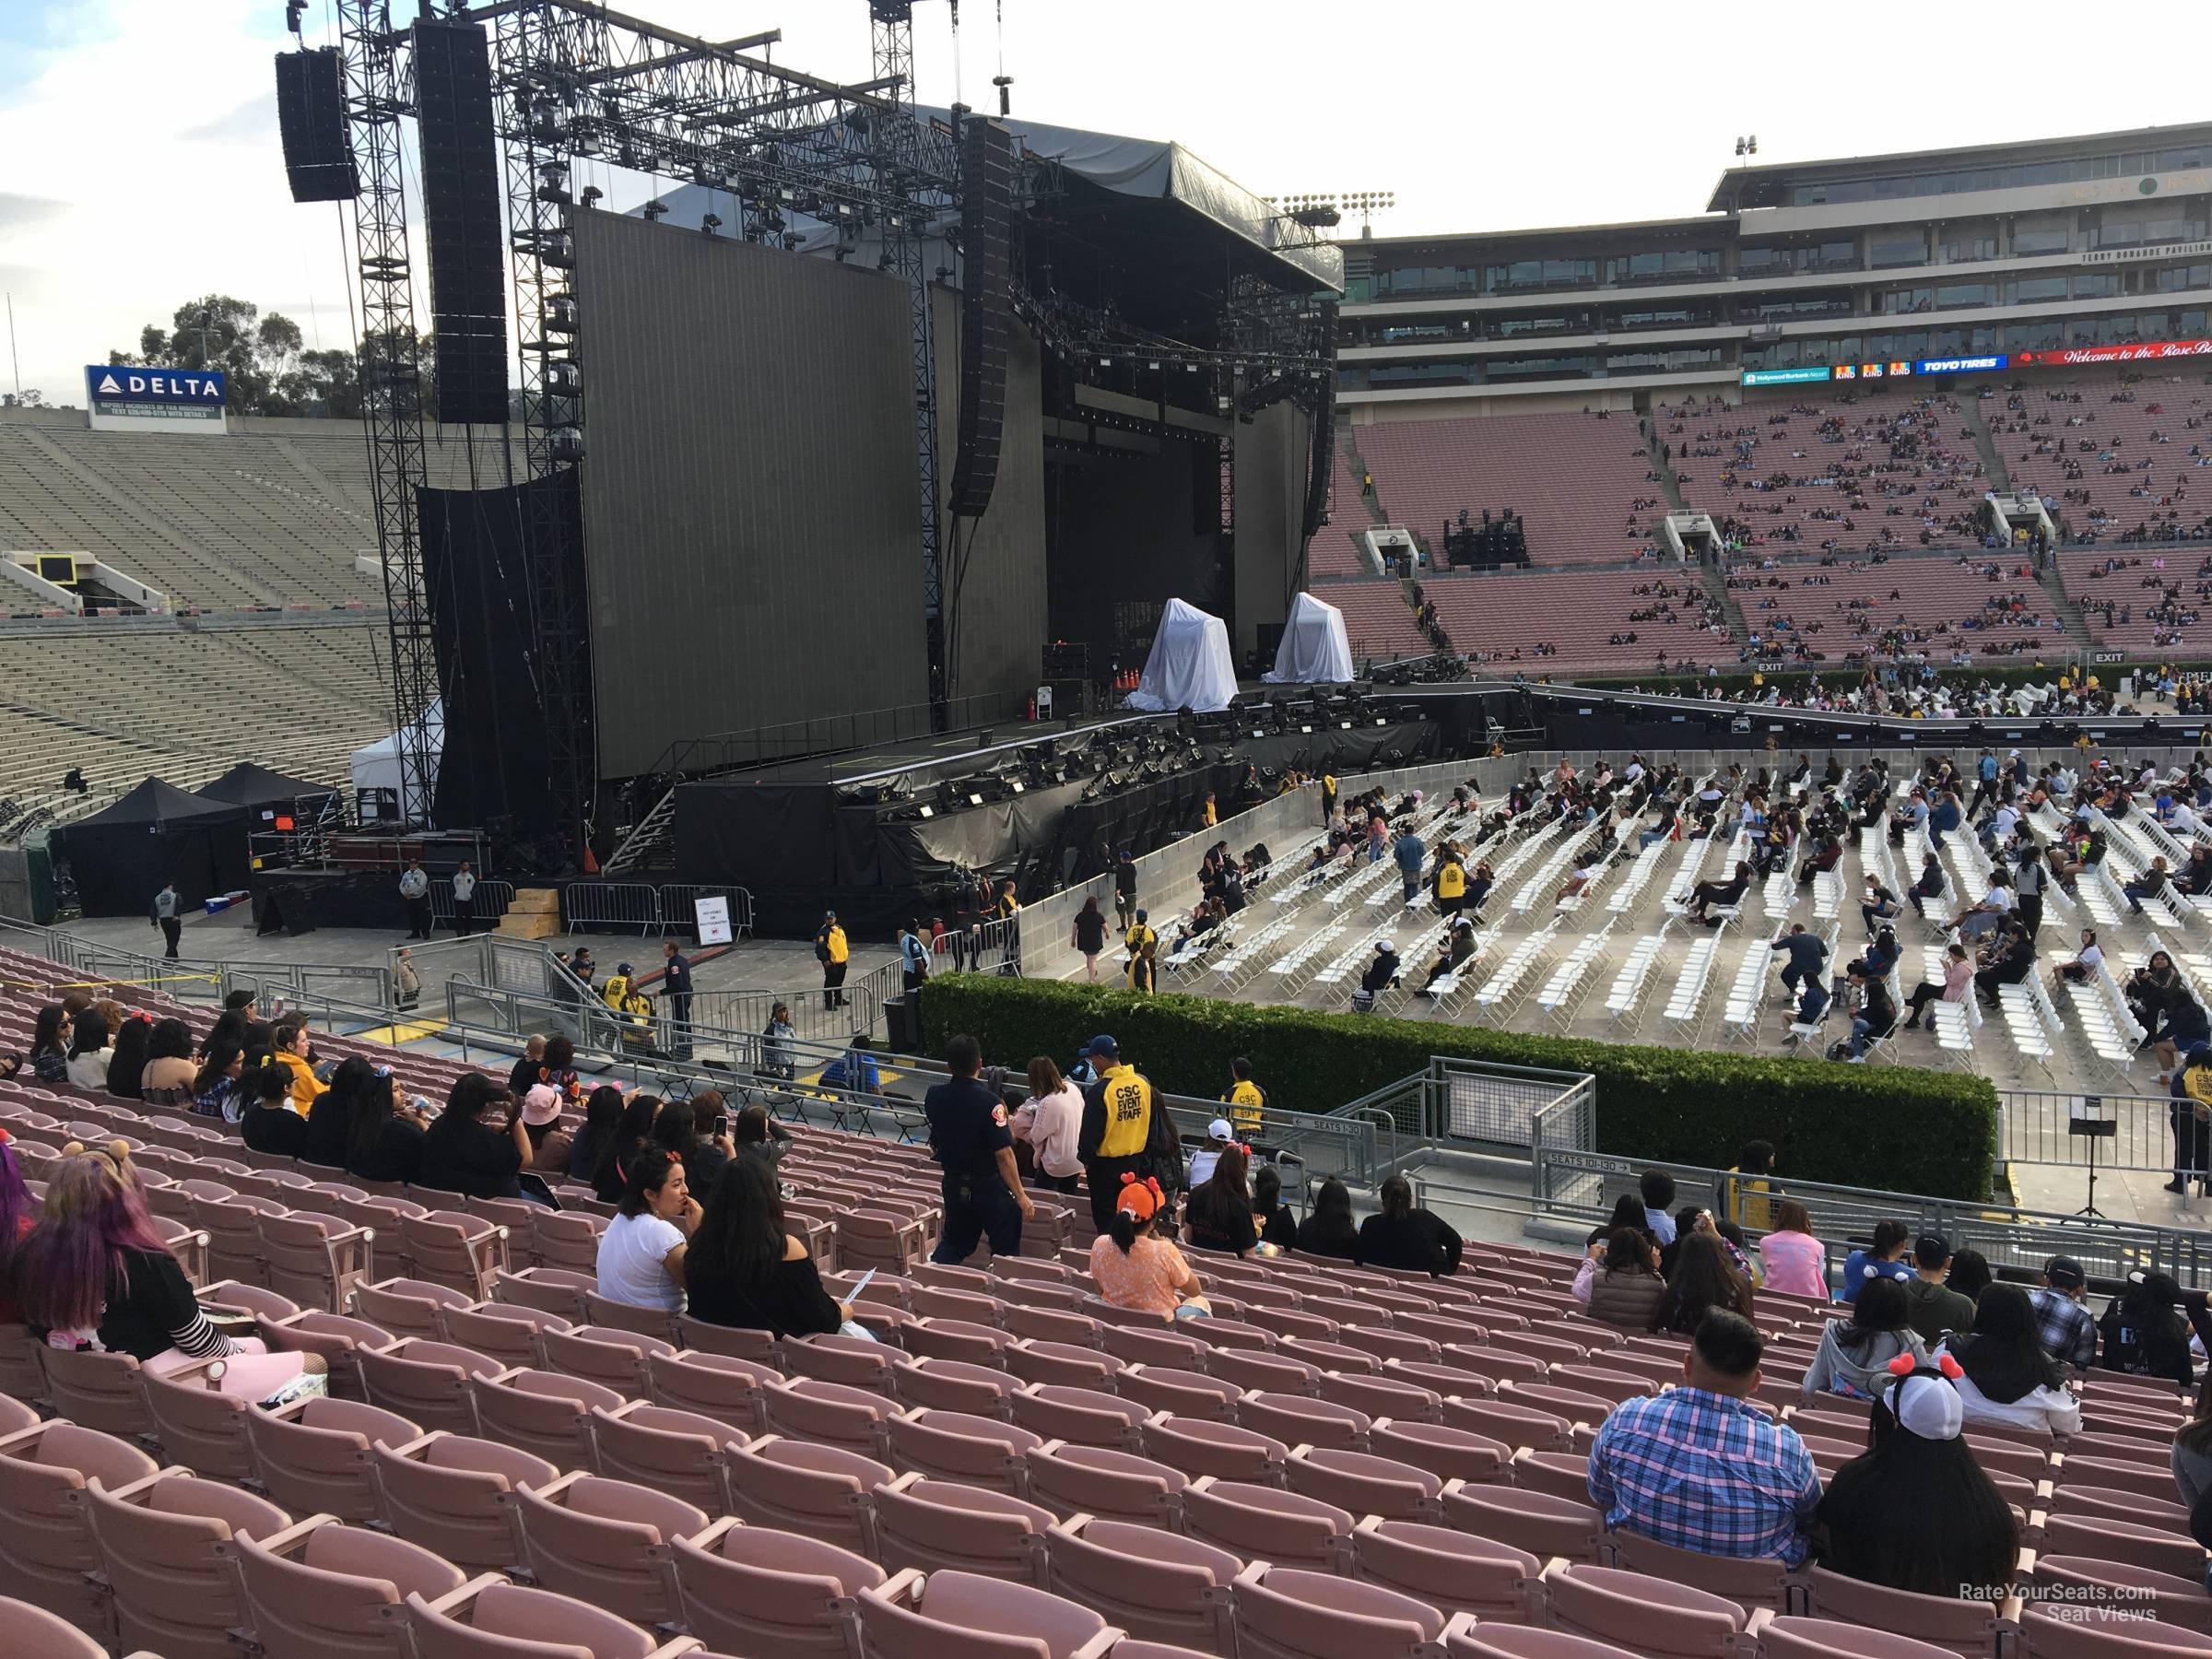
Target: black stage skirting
298, 901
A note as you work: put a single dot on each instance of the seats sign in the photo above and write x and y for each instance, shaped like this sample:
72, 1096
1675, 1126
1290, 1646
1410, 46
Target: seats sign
147, 399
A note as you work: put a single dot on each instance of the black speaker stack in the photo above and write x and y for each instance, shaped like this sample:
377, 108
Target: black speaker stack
463, 212
987, 291
1489, 545
311, 116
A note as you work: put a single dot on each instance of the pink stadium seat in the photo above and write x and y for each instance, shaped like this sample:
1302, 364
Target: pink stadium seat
1294, 1613
937, 1525
754, 1590
339, 1592
312, 1455
165, 1550
606, 1541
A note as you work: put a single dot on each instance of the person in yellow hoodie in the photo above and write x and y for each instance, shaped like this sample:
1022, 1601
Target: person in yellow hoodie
292, 1046
1450, 883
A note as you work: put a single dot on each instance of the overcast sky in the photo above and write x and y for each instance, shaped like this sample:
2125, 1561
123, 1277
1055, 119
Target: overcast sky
139, 166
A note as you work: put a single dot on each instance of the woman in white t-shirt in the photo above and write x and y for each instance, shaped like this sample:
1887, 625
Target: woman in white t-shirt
2085, 964
642, 1251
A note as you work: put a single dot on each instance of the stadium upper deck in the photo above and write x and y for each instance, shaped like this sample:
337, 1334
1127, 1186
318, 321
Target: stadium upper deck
2061, 244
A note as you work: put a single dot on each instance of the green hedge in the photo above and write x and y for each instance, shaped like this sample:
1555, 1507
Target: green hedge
1900, 1128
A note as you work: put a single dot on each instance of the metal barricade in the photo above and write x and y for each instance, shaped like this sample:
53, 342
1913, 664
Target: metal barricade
748, 1011
2036, 1127
1498, 1105
678, 915
492, 898
614, 906
1583, 1186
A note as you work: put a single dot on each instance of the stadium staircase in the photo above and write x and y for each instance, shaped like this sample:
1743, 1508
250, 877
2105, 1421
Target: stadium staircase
1715, 578
1369, 500
1670, 483
1993, 460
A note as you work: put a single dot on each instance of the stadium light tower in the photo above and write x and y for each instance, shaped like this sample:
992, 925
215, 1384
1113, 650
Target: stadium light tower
1325, 211
1747, 146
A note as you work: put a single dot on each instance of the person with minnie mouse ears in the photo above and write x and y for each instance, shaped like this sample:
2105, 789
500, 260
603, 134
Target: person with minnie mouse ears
1135, 1267
1919, 1466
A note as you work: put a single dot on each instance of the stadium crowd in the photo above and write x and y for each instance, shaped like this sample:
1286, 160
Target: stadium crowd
1922, 1336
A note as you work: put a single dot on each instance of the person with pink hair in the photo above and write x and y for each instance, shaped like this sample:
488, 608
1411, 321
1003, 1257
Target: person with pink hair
93, 1273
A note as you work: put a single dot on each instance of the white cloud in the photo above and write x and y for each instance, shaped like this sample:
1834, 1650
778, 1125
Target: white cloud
154, 138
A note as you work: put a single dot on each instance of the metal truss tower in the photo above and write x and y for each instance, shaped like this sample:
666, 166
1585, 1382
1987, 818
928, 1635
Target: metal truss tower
900, 175
391, 374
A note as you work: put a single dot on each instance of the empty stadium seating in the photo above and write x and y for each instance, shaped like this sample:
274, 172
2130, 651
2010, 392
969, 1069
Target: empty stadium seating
124, 703
1574, 478
272, 515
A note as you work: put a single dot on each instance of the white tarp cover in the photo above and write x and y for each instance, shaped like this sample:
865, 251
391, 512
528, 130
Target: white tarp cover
377, 766
1315, 647
1190, 667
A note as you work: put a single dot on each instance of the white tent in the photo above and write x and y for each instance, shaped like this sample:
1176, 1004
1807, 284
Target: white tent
377, 766
1190, 667
1315, 647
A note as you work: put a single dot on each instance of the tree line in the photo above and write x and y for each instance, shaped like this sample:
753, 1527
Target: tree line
265, 365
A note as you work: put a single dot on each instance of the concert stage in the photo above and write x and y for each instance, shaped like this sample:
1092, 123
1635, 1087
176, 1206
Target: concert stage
880, 833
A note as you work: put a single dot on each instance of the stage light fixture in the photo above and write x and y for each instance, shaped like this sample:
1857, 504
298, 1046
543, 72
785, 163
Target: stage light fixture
592, 196
710, 224
655, 209
974, 798
927, 811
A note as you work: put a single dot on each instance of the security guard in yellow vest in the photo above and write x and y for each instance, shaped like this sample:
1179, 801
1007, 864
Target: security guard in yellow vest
1140, 934
1450, 885
1117, 1127
1246, 1099
616, 987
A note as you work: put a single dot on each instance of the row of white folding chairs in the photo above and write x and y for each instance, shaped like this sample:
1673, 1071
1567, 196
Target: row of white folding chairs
2107, 1025
1503, 990
1351, 958
1293, 964
1747, 995
1570, 979
1686, 1006
1241, 961
1624, 1002
1543, 886
1636, 878
2031, 1020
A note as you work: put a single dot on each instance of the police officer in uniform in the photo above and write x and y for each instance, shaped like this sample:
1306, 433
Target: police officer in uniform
1117, 1125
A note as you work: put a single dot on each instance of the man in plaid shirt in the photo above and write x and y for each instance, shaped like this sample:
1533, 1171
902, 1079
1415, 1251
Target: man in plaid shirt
2062, 1318
1700, 1468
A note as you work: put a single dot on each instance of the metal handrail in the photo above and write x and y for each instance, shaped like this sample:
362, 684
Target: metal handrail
2008, 1234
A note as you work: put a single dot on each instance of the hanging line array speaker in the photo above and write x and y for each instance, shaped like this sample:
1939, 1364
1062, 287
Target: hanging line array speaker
1321, 462
463, 212
986, 293
310, 117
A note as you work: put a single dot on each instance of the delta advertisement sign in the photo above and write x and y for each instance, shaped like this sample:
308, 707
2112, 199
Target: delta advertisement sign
174, 400
2148, 352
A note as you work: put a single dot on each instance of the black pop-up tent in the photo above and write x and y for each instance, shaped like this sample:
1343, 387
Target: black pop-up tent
267, 795
122, 855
